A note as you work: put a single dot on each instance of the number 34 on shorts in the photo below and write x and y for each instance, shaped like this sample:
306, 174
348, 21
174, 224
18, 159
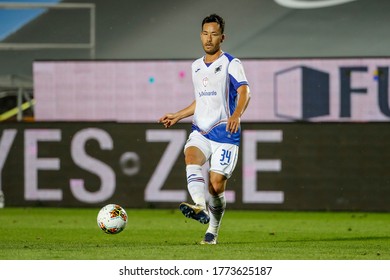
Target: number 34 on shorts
224, 159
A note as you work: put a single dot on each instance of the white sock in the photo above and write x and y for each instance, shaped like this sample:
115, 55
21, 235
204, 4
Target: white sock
217, 206
196, 184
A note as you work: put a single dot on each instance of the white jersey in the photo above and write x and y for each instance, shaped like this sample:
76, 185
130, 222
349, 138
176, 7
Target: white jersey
216, 96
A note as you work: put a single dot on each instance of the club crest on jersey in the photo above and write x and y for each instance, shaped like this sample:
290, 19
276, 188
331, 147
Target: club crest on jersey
218, 69
205, 81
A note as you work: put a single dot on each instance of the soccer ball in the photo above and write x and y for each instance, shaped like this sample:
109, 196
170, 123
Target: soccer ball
112, 219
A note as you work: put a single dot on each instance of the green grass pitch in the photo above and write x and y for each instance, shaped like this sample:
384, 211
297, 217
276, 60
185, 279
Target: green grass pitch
72, 234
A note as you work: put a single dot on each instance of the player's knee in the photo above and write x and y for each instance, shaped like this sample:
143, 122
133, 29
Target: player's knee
192, 159
193, 155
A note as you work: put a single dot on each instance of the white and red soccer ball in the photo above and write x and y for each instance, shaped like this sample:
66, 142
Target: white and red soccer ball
112, 219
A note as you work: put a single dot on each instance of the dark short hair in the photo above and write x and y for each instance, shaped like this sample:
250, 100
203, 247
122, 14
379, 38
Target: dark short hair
215, 18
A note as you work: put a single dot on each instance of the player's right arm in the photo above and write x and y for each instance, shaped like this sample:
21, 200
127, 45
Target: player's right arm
170, 119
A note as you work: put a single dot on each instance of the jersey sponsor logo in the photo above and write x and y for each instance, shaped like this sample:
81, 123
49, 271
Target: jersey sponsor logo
207, 93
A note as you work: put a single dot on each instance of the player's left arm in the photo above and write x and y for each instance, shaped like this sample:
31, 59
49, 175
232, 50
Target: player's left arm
244, 95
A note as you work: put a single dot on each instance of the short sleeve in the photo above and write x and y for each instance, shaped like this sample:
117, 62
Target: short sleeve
237, 73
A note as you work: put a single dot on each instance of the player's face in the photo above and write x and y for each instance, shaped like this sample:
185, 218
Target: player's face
211, 37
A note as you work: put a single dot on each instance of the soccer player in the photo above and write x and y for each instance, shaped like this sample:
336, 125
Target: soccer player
221, 97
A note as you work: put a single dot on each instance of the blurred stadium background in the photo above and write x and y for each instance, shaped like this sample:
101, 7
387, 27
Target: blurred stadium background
82, 84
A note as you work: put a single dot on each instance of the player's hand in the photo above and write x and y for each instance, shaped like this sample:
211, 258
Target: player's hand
233, 124
168, 120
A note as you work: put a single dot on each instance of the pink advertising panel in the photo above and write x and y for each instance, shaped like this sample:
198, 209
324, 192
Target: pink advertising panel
283, 90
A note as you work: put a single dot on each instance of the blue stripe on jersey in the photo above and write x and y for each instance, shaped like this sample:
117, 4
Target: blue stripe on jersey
229, 56
219, 134
234, 85
232, 96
